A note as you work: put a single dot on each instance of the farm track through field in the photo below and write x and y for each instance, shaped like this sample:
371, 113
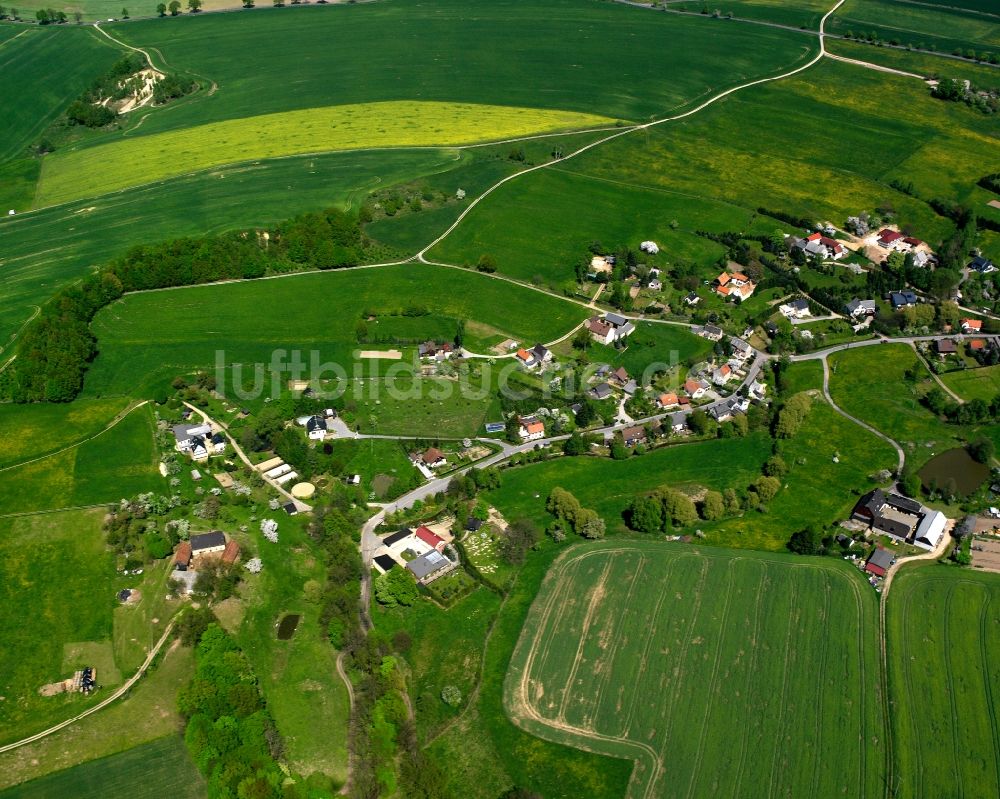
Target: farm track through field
956, 771
751, 672
984, 656
792, 617
820, 688
115, 421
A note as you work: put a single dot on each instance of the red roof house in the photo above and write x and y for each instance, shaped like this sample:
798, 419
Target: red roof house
231, 553
429, 538
183, 557
888, 237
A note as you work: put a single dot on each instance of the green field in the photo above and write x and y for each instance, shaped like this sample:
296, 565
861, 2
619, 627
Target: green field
427, 406
31, 431
718, 673
56, 572
803, 376
917, 63
144, 339
160, 769
148, 713
654, 344
944, 682
120, 462
575, 55
926, 26
46, 249
93, 171
982, 383
32, 99
869, 383
384, 466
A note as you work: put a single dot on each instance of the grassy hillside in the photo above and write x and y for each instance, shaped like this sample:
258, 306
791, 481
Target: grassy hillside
577, 55
46, 249
970, 384
718, 675
144, 338
93, 171
943, 681
44, 69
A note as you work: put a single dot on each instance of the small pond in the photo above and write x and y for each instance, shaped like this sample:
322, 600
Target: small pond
954, 465
286, 628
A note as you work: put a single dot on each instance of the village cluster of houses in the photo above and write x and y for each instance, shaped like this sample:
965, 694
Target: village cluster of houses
734, 286
421, 552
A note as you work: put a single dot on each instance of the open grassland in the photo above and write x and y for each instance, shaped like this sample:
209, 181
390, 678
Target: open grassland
772, 145
870, 383
608, 486
718, 673
944, 682
803, 376
423, 406
817, 490
120, 462
31, 431
92, 171
160, 769
917, 63
654, 346
384, 467
149, 712
32, 96
156, 335
804, 13
46, 249
57, 579
579, 210
928, 27
970, 384
576, 55
298, 676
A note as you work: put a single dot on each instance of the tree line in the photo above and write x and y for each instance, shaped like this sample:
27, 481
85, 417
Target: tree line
57, 346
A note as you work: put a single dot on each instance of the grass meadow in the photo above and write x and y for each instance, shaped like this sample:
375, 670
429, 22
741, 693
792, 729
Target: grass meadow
92, 171
718, 673
384, 466
48, 248
143, 339
421, 406
58, 580
147, 714
870, 383
653, 343
926, 26
918, 63
32, 100
943, 682
32, 431
982, 383
120, 462
803, 376
160, 769
805, 13
575, 55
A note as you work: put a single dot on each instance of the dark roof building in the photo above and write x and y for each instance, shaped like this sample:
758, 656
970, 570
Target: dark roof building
428, 565
385, 561
473, 524
399, 535
290, 509
208, 542
879, 562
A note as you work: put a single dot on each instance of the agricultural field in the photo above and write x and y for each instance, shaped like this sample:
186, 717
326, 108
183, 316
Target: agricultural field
718, 673
858, 383
982, 383
147, 714
617, 68
32, 99
119, 462
92, 171
145, 341
56, 570
917, 63
32, 431
48, 248
943, 627
160, 769
922, 25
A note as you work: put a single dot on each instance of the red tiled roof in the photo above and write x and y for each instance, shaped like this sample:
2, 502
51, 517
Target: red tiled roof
912, 241
972, 324
814, 236
231, 552
878, 571
522, 355
889, 235
977, 344
691, 386
667, 399
722, 279
535, 427
183, 553
428, 537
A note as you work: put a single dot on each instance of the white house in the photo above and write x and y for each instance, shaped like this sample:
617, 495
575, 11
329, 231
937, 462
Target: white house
219, 443
742, 351
796, 309
316, 428
185, 435
530, 429
722, 375
600, 331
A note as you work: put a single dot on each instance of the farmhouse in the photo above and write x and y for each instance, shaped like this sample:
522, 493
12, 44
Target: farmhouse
890, 239
208, 543
430, 538
900, 518
879, 561
796, 309
431, 458
430, 566
600, 331
819, 246
531, 428
734, 285
983, 266
432, 349
971, 325
858, 309
711, 332
668, 400
188, 437
902, 299
316, 428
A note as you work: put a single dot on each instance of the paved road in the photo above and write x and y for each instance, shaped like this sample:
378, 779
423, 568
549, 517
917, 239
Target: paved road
100, 705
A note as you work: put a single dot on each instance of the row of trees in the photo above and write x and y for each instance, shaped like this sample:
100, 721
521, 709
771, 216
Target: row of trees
57, 346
